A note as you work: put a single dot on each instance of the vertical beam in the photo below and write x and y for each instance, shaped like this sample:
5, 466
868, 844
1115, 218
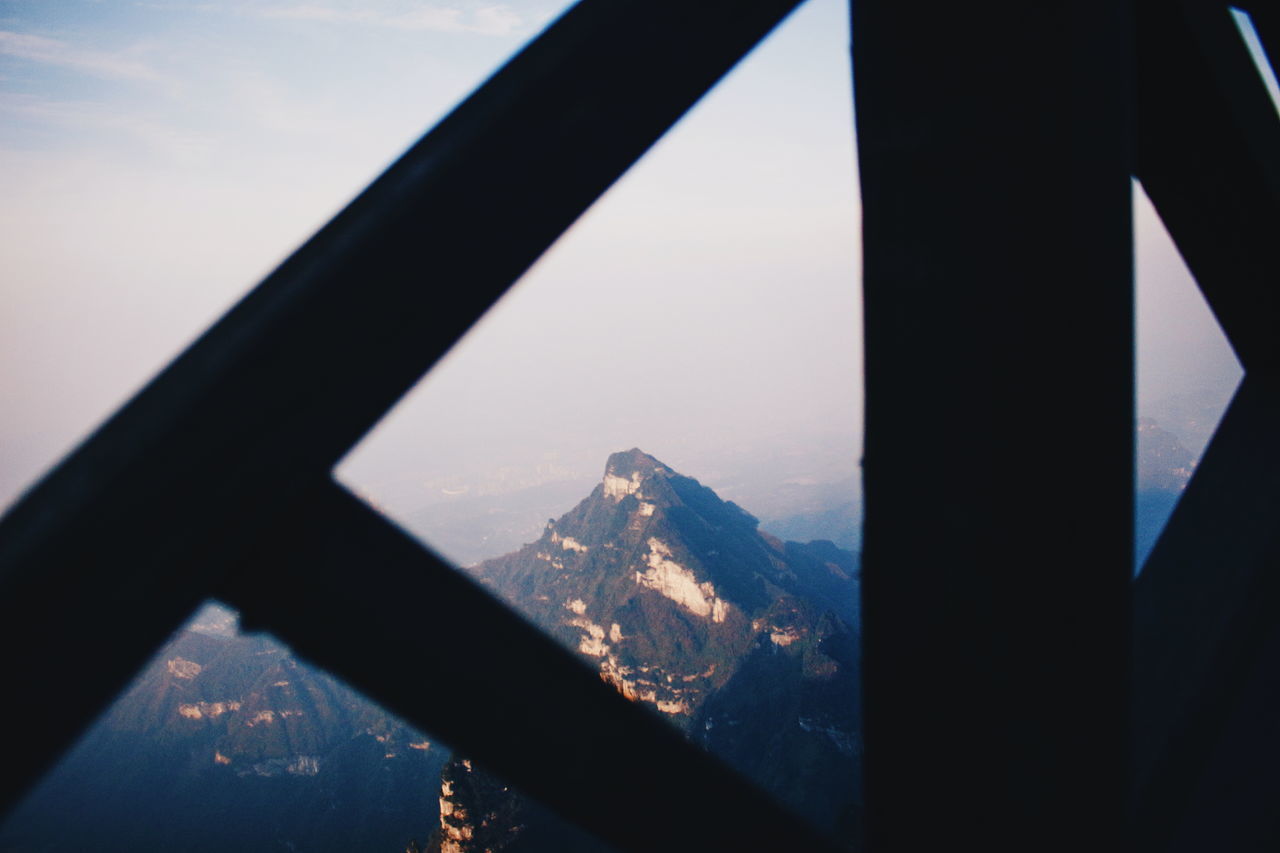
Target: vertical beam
994, 147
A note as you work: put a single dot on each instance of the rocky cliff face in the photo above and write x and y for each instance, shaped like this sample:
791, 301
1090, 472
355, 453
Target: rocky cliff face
745, 643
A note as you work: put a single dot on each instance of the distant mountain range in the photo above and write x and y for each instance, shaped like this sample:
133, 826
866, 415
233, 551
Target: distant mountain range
226, 743
802, 487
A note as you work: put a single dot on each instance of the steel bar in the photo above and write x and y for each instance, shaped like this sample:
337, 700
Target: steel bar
1204, 610
995, 159
1208, 156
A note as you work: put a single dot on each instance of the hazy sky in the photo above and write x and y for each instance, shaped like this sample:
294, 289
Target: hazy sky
157, 158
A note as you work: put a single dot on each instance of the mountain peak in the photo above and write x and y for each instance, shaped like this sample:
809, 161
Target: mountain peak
676, 599
626, 472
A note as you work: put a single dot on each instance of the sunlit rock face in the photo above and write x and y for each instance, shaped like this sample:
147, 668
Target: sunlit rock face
665, 587
481, 814
244, 703
681, 603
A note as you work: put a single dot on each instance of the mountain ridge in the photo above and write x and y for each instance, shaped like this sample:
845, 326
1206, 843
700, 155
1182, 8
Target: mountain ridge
226, 742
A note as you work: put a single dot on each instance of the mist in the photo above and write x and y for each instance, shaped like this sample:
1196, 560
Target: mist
706, 309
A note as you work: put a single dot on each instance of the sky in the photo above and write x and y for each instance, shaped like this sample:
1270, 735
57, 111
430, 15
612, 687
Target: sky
158, 158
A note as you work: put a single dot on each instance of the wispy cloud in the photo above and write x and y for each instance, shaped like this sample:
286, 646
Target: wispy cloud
84, 117
180, 7
272, 106
492, 20
53, 52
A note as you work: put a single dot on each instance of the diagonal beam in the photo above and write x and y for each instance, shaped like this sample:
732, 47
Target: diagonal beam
1203, 608
347, 590
128, 534
1208, 156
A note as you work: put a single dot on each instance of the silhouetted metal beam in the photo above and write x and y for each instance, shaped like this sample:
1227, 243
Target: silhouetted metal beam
1208, 156
344, 588
1204, 607
114, 548
994, 154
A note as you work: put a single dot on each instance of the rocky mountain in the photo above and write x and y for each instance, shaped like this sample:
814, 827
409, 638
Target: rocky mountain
745, 643
225, 742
